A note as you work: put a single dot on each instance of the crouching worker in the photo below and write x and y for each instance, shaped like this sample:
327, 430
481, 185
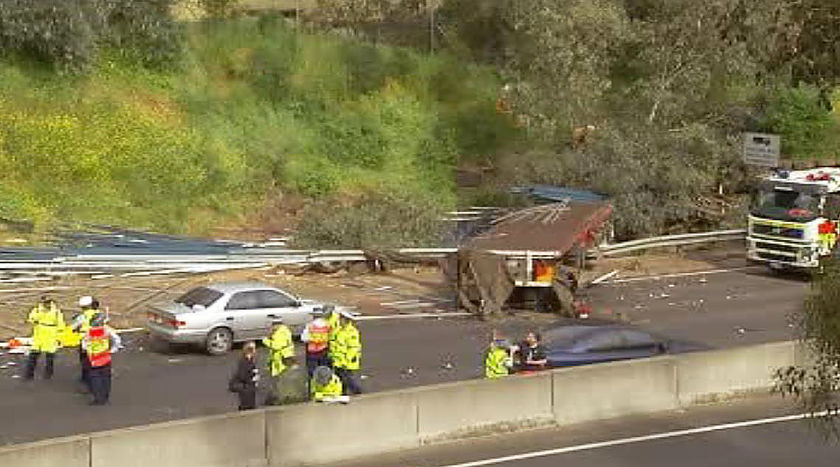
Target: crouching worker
498, 361
288, 379
325, 385
99, 343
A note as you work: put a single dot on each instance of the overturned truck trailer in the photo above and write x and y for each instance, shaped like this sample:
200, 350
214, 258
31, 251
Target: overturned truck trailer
541, 248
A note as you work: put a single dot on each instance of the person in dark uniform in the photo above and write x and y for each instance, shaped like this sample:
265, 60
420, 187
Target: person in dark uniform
246, 377
532, 354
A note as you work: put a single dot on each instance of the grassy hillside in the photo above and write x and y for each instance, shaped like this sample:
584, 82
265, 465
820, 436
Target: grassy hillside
255, 109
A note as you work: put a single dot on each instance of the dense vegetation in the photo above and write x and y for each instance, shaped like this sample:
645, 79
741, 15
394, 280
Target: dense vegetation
669, 86
113, 111
248, 108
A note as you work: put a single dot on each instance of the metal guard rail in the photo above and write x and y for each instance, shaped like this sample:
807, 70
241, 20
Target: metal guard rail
672, 240
268, 257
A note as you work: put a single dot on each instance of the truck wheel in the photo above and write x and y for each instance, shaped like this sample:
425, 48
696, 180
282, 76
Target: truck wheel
219, 341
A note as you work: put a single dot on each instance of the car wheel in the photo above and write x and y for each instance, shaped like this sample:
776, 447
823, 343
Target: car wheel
219, 341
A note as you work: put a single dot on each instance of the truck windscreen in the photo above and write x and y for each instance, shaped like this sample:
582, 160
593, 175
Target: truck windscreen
786, 205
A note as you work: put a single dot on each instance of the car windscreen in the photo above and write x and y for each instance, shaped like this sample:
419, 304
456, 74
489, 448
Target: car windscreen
786, 205
199, 296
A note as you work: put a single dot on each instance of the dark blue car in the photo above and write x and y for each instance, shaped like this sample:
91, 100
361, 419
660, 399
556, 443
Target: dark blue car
582, 345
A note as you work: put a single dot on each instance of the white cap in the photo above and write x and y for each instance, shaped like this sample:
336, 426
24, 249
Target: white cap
85, 301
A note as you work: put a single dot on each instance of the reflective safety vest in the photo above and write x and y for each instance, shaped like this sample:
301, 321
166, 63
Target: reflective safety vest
332, 389
282, 346
333, 323
88, 315
827, 235
496, 362
98, 346
319, 335
48, 324
72, 338
348, 348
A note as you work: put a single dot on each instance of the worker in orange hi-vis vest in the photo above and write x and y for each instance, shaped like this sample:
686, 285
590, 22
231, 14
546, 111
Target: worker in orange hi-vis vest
316, 335
99, 343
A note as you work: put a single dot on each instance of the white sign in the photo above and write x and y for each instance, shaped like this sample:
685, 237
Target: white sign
762, 149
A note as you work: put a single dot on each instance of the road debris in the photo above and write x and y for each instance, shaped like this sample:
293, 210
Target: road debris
603, 278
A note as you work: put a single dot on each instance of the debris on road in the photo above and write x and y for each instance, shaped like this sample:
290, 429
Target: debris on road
603, 278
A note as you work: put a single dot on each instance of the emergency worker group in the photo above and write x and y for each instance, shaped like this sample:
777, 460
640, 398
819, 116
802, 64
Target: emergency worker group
504, 357
333, 353
88, 330
330, 371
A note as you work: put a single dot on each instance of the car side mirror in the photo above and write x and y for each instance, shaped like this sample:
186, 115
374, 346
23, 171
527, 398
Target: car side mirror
198, 308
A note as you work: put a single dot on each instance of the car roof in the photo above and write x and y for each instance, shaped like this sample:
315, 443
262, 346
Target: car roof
567, 335
239, 286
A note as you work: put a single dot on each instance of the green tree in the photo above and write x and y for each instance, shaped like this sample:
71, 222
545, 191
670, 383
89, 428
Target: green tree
815, 383
562, 58
807, 128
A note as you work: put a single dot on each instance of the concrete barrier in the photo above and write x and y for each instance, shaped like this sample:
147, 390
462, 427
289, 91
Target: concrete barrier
61, 452
709, 376
614, 389
314, 433
389, 421
233, 440
471, 407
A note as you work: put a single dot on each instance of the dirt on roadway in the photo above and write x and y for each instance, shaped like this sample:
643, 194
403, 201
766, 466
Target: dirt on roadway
401, 291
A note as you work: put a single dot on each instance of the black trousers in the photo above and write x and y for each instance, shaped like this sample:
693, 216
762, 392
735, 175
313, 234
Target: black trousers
100, 383
348, 381
32, 362
84, 366
247, 399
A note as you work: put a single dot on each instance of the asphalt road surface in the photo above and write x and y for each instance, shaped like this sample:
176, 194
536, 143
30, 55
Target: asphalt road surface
759, 432
150, 385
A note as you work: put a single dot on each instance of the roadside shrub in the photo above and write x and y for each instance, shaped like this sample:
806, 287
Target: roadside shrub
376, 220
69, 34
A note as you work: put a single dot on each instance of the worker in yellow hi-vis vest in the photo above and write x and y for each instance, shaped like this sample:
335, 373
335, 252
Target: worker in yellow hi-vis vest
47, 325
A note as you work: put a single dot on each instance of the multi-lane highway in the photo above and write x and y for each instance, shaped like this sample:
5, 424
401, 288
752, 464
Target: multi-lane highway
750, 433
721, 309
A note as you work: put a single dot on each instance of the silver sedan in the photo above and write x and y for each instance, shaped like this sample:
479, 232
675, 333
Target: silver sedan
217, 315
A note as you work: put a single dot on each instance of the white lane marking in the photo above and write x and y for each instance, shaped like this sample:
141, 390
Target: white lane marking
639, 439
129, 330
680, 274
414, 316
